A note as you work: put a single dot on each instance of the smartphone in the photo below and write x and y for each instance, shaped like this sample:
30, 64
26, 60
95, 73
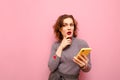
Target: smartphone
85, 51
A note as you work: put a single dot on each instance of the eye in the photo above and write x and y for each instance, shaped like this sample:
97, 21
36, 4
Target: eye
64, 25
71, 24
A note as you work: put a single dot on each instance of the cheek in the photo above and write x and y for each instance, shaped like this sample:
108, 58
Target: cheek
64, 30
73, 29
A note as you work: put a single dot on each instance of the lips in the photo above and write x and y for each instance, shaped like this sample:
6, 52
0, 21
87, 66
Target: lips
68, 33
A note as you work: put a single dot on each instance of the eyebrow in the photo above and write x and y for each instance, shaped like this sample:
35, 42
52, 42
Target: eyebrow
67, 23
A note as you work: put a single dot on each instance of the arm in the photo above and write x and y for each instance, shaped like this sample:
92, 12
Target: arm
83, 61
54, 60
55, 56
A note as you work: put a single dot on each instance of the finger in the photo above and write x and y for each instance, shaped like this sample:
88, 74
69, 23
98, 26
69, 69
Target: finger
68, 37
80, 64
86, 58
69, 41
76, 60
79, 61
83, 59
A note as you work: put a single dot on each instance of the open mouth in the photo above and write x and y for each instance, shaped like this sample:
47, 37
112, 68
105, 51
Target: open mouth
68, 33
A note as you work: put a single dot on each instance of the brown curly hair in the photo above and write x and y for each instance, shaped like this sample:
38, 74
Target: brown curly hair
59, 23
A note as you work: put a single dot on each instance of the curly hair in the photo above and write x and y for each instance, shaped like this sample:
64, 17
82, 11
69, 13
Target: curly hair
59, 23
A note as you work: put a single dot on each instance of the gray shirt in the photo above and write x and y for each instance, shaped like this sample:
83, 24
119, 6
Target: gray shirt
65, 63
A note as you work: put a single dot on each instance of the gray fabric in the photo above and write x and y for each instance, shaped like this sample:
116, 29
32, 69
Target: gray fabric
56, 75
65, 63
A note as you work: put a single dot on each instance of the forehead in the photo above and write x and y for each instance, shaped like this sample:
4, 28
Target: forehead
68, 20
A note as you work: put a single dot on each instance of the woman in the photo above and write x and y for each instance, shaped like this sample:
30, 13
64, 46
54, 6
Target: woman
62, 64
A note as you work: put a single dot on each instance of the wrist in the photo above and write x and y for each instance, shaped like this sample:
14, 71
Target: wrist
83, 67
60, 47
59, 51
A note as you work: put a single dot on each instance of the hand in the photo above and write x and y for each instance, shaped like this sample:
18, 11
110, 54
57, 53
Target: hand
82, 60
65, 42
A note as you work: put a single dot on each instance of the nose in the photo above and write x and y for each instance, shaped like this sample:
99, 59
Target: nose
69, 27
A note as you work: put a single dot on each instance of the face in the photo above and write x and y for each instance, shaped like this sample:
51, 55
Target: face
68, 27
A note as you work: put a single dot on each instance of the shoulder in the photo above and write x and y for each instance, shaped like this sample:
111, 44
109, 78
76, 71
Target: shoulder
81, 42
55, 44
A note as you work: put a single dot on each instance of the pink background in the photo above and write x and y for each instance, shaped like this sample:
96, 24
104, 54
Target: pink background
26, 35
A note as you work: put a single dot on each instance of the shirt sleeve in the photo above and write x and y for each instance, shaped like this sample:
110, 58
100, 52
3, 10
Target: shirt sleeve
84, 44
54, 60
